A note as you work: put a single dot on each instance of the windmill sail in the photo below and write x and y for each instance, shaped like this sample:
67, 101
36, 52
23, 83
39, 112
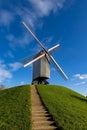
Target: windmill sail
35, 59
29, 60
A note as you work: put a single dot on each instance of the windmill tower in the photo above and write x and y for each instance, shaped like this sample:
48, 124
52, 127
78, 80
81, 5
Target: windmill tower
41, 69
41, 62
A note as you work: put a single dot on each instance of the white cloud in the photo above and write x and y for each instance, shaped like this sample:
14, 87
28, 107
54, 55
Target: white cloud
30, 12
15, 66
6, 17
40, 9
44, 7
20, 41
4, 72
80, 76
81, 83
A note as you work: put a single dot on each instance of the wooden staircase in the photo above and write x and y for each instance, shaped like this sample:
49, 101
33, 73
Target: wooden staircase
41, 119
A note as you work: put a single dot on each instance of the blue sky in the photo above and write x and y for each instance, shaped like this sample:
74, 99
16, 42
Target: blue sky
53, 21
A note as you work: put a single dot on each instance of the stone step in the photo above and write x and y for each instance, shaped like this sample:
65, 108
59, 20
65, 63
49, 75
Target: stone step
44, 128
43, 123
40, 114
37, 105
43, 118
39, 109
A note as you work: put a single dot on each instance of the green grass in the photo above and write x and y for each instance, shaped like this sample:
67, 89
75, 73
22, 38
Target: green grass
15, 108
68, 108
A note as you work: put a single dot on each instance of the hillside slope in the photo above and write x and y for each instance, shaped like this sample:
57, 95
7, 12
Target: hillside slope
68, 108
15, 107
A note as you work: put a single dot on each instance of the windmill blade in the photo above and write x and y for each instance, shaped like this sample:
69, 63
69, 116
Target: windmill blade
27, 59
35, 37
59, 68
35, 59
54, 48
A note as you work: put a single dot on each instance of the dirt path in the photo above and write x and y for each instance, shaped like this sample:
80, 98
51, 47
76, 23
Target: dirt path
41, 119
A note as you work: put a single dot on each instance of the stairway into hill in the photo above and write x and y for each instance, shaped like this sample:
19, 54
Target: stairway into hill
41, 119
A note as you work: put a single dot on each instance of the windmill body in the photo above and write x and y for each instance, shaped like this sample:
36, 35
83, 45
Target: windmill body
41, 70
41, 62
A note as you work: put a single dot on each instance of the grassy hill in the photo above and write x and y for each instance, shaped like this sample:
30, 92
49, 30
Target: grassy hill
68, 108
15, 107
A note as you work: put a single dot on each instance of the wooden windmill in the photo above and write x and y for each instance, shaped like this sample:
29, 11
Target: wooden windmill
41, 62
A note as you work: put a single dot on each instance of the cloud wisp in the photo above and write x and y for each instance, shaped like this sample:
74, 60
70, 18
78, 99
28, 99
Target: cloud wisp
15, 66
22, 82
80, 76
80, 79
20, 41
6, 71
81, 83
5, 74
6, 17
44, 7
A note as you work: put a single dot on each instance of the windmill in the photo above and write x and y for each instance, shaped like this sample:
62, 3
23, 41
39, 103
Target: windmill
41, 62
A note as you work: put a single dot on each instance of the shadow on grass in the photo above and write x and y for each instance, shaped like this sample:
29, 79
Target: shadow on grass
59, 128
79, 98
